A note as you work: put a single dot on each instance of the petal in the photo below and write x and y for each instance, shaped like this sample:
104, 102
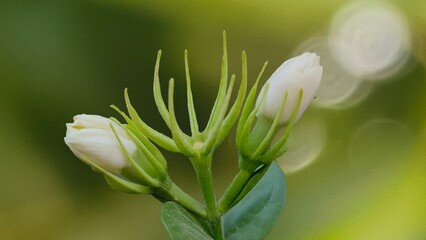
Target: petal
310, 82
90, 121
101, 147
303, 71
70, 129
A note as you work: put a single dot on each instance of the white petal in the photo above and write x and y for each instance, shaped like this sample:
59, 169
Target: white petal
89, 121
70, 129
301, 72
101, 147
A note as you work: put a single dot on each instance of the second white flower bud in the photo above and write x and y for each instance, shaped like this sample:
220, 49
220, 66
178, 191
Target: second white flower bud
301, 72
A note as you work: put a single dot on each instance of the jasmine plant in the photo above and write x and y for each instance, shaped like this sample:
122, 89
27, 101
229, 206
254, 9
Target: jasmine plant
128, 154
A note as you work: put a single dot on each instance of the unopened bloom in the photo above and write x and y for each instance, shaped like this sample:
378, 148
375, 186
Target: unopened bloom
301, 72
91, 138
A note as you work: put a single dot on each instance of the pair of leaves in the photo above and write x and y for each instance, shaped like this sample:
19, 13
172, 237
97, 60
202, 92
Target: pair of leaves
251, 218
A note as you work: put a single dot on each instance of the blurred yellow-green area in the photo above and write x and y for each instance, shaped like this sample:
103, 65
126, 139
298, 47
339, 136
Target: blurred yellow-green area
364, 177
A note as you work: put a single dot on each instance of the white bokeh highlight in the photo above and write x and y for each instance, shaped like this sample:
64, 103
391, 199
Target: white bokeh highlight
370, 40
367, 43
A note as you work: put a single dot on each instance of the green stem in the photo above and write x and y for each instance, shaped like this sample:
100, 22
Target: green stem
202, 166
187, 201
234, 189
174, 193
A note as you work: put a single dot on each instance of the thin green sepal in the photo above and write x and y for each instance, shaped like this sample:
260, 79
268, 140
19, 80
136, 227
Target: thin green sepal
212, 137
272, 152
151, 147
144, 175
222, 87
157, 137
247, 107
131, 126
266, 141
179, 137
124, 185
190, 101
232, 116
126, 118
158, 97
151, 158
250, 120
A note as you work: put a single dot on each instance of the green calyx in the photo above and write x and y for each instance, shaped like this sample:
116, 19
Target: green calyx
259, 145
143, 168
117, 182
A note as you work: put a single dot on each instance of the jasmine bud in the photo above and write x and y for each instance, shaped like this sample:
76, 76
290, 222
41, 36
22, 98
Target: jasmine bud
301, 72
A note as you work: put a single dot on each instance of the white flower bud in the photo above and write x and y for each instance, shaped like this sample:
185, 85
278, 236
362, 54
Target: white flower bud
90, 138
301, 72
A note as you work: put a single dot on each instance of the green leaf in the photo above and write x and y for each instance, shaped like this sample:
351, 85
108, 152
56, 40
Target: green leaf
254, 216
181, 224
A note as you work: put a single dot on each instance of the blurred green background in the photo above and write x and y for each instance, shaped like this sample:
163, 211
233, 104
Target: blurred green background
59, 59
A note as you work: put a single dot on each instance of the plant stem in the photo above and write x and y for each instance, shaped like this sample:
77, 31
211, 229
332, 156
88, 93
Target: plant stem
202, 166
234, 189
185, 200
